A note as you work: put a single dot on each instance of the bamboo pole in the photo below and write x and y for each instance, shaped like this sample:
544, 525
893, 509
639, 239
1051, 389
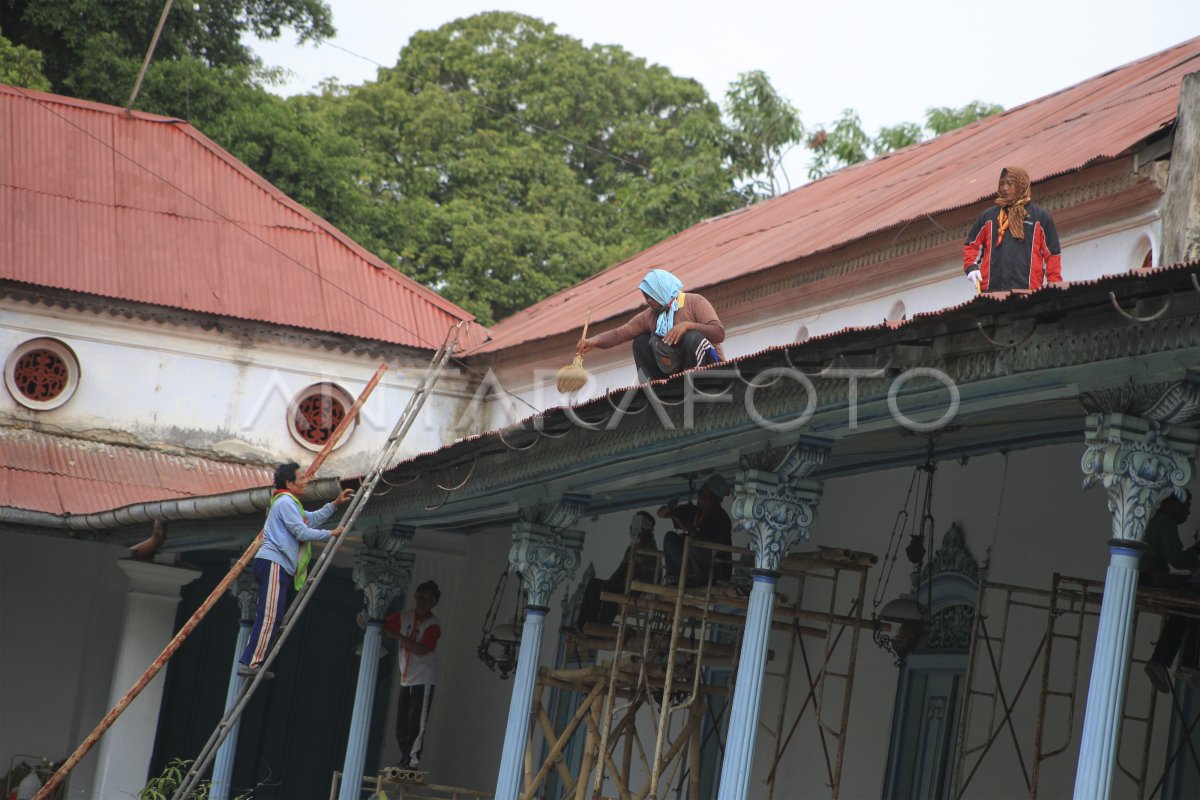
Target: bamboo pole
589, 753
554, 757
189, 626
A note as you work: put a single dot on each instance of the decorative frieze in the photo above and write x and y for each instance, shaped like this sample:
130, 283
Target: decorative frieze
1138, 462
1097, 339
561, 513
544, 557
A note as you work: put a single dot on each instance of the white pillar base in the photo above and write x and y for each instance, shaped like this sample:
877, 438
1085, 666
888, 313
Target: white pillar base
147, 626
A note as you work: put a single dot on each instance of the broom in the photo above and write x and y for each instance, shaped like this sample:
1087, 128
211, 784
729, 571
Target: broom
573, 376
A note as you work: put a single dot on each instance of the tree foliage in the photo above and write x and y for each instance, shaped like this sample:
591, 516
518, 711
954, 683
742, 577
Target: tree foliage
497, 162
506, 161
765, 126
945, 119
847, 143
21, 66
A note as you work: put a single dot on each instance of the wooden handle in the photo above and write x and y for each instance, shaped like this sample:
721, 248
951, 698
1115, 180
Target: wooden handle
586, 322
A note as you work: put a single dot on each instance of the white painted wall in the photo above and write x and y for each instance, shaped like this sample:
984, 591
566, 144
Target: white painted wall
149, 383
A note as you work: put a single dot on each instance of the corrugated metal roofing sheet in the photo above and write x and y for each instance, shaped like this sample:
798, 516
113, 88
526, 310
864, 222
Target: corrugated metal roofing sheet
148, 209
1098, 119
57, 475
861, 337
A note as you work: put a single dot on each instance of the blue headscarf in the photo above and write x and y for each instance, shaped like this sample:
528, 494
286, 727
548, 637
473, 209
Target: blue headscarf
664, 289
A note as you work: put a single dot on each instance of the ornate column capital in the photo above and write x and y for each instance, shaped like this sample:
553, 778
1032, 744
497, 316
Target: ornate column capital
1138, 461
774, 502
382, 570
245, 590
545, 557
561, 513
1166, 402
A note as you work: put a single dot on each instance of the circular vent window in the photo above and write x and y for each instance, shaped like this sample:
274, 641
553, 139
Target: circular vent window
316, 412
42, 374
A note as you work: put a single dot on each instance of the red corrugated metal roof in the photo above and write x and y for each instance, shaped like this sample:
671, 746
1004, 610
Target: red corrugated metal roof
148, 209
1098, 119
57, 475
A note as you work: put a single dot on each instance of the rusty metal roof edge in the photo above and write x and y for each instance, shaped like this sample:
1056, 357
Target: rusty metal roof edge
1092, 161
981, 300
35, 287
185, 127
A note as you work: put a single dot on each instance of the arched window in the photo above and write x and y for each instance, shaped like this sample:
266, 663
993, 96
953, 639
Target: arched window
898, 312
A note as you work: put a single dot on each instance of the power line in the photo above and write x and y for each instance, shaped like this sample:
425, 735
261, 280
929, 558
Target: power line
256, 237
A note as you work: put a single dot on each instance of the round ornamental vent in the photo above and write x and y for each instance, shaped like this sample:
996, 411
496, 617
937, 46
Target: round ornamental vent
42, 374
316, 412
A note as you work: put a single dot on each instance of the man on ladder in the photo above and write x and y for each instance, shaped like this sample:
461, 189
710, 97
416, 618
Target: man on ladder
281, 565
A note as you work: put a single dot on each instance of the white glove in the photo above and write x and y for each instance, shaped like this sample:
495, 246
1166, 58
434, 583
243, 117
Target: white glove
975, 277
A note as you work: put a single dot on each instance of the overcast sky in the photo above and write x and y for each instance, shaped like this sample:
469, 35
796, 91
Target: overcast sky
889, 61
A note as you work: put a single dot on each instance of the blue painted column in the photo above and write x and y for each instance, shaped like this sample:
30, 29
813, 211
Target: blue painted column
516, 731
775, 508
545, 555
747, 693
1138, 462
245, 591
381, 571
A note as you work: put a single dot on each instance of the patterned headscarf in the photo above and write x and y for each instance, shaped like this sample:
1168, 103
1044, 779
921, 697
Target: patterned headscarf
664, 289
1012, 214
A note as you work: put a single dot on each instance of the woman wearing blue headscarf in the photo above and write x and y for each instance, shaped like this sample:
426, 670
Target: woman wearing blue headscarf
675, 332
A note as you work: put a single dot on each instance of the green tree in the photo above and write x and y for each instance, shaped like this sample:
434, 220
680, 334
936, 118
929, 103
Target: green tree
897, 137
505, 161
847, 143
21, 66
765, 126
202, 72
945, 119
94, 48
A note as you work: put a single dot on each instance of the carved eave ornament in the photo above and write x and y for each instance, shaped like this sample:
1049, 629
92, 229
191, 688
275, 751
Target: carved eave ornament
1063, 342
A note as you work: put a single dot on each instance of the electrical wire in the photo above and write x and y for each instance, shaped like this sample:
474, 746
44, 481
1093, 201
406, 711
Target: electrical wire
353, 298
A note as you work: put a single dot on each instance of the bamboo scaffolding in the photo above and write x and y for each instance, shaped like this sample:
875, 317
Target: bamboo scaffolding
659, 652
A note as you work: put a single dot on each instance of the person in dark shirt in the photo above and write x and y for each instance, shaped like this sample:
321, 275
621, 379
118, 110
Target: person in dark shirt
591, 608
705, 521
1163, 552
1014, 244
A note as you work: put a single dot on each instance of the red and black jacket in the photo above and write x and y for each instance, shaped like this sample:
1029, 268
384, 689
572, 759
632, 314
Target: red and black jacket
1027, 263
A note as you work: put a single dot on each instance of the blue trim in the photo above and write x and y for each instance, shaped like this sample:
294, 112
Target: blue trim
535, 611
771, 579
1124, 550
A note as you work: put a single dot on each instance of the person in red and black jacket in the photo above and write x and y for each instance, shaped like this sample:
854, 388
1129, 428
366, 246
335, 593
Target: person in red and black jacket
1013, 245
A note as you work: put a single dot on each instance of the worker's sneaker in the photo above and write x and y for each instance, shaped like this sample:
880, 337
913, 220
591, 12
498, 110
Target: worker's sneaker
247, 671
414, 763
1159, 676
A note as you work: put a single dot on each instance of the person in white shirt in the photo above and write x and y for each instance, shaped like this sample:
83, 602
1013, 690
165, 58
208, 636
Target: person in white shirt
418, 631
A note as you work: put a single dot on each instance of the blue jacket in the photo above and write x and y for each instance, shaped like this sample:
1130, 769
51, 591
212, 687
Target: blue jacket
286, 528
